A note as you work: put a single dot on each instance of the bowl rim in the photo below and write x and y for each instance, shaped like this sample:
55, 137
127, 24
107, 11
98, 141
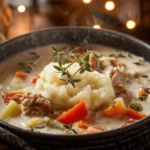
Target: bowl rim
107, 133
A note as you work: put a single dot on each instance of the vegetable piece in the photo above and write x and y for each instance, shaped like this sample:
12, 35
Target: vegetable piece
85, 123
35, 78
136, 106
74, 114
90, 130
55, 124
82, 124
8, 96
118, 109
11, 110
128, 122
118, 64
20, 75
131, 113
34, 122
142, 92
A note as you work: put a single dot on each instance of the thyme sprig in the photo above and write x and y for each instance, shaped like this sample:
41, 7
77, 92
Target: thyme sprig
82, 60
70, 128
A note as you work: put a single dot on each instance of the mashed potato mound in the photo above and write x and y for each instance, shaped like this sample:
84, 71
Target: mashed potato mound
94, 89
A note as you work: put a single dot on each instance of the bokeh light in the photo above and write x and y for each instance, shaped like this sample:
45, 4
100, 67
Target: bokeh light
130, 24
96, 26
21, 8
86, 1
109, 5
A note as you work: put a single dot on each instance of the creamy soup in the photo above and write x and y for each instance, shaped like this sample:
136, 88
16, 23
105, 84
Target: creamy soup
58, 90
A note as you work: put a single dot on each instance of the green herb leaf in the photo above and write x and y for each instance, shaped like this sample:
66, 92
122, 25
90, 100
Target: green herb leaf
140, 62
143, 97
136, 106
120, 55
70, 128
86, 58
76, 80
129, 55
55, 51
57, 68
147, 90
26, 68
144, 76
112, 55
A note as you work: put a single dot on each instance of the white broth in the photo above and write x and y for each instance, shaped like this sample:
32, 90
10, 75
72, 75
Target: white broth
114, 93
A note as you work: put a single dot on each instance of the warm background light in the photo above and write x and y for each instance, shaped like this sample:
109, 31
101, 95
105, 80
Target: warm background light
21, 8
109, 5
96, 26
87, 1
130, 24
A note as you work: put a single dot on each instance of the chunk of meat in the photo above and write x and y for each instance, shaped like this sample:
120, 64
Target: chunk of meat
108, 61
93, 60
118, 77
35, 105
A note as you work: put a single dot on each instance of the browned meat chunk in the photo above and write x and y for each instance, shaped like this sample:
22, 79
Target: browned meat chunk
35, 104
93, 61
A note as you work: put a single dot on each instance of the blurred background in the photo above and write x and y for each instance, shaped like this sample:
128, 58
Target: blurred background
18, 17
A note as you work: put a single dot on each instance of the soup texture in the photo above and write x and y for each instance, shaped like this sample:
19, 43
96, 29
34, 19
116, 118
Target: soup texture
61, 89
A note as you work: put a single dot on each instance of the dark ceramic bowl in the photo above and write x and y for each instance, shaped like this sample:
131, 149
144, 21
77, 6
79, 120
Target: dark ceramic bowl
132, 137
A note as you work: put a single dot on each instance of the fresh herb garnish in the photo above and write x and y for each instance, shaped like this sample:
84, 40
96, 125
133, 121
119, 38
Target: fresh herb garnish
27, 68
143, 97
82, 60
136, 106
120, 55
70, 128
147, 90
117, 55
144, 76
140, 62
69, 79
129, 55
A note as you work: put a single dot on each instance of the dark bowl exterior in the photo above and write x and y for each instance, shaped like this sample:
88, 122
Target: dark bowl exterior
133, 137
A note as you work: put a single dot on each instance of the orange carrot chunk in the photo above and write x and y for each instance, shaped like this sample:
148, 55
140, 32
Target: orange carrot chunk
20, 75
9, 96
117, 110
142, 92
82, 124
35, 78
74, 114
118, 64
131, 113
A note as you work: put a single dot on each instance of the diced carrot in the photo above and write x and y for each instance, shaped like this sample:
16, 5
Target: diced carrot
35, 78
74, 114
9, 96
142, 92
117, 110
128, 122
131, 113
82, 131
90, 131
82, 124
118, 64
20, 75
